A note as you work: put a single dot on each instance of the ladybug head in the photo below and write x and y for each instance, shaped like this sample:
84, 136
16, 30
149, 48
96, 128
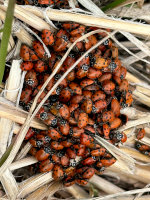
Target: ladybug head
112, 66
85, 67
30, 82
43, 115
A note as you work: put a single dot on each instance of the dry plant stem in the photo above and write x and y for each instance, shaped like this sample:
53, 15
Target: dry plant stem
77, 192
105, 185
33, 183
28, 17
145, 140
9, 183
134, 123
145, 197
141, 97
91, 20
135, 154
16, 128
22, 163
45, 191
143, 90
13, 83
131, 78
20, 33
132, 59
9, 112
139, 174
24, 151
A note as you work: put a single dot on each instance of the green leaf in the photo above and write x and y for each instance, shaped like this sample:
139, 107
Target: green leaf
1, 30
6, 36
113, 5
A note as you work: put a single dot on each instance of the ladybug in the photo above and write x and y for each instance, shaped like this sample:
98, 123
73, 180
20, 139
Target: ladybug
64, 111
124, 86
85, 82
115, 65
46, 2
55, 158
142, 147
70, 60
25, 96
57, 172
26, 66
33, 151
73, 107
87, 94
39, 49
86, 139
81, 151
92, 40
41, 97
82, 72
65, 95
89, 130
51, 82
98, 95
71, 153
123, 72
69, 181
49, 119
119, 137
75, 88
87, 106
141, 133
31, 79
61, 43
46, 166
105, 76
115, 107
71, 76
83, 120
47, 37
99, 106
43, 153
108, 116
79, 30
88, 161
24, 52
93, 73
64, 160
52, 60
79, 47
108, 162
88, 173
40, 66
107, 53
115, 123
53, 134
64, 127
92, 87
72, 121
84, 61
108, 86
67, 143
76, 99
100, 63
76, 132
70, 26
98, 152
31, 132
56, 145
106, 131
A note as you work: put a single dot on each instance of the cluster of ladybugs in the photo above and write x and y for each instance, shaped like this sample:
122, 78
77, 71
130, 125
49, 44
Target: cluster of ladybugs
86, 103
143, 148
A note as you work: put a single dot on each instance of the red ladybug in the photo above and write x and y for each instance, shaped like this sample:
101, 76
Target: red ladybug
31, 132
93, 73
53, 134
115, 123
39, 49
124, 86
25, 96
52, 60
33, 151
87, 94
75, 88
71, 76
43, 153
75, 99
47, 37
83, 120
98, 95
87, 106
99, 106
55, 158
88, 173
64, 127
88, 161
46, 2
86, 139
105, 76
70, 60
71, 153
39, 140
108, 86
40, 66
92, 87
64, 111
61, 43
73, 107
51, 82
58, 172
142, 147
65, 95
100, 63
98, 152
67, 143
108, 116
31, 78
70, 26
27, 54
82, 72
26, 66
108, 162
81, 182
123, 72
69, 181
106, 131
49, 119
79, 45
79, 30
64, 160
85, 82
56, 145
76, 132
46, 166
115, 107
141, 133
